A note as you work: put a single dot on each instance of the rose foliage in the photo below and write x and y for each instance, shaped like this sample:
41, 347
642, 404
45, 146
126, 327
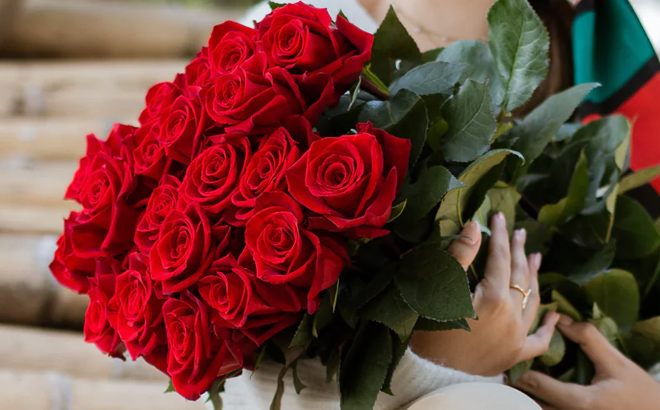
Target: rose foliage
291, 194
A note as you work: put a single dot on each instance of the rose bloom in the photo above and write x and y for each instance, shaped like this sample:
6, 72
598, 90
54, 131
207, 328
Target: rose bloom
181, 124
161, 202
198, 71
149, 157
248, 100
235, 293
303, 40
265, 171
161, 96
351, 181
97, 328
284, 252
230, 45
69, 269
135, 311
213, 177
200, 353
185, 249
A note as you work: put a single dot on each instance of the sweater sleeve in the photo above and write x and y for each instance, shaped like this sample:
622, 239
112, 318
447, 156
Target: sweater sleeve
416, 377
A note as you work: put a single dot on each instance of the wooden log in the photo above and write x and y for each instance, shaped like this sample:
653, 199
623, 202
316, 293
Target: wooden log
74, 28
35, 183
28, 292
50, 139
34, 349
20, 390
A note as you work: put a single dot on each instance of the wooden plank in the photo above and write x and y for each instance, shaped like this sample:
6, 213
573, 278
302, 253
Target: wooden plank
20, 390
28, 292
32, 219
49, 139
32, 349
35, 183
67, 28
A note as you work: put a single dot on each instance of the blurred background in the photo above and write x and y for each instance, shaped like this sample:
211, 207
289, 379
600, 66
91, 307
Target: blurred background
68, 68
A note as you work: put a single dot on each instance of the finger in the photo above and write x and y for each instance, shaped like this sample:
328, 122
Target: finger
557, 394
498, 266
519, 267
605, 357
547, 407
529, 314
465, 249
539, 342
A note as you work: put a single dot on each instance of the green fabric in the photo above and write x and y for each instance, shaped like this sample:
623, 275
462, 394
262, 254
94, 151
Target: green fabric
609, 47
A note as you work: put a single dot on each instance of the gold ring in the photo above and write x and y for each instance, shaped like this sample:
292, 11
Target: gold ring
525, 294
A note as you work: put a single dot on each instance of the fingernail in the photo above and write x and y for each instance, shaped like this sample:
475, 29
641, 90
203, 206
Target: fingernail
565, 320
537, 260
520, 235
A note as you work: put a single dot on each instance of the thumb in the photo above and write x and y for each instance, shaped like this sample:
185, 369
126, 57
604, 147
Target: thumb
465, 249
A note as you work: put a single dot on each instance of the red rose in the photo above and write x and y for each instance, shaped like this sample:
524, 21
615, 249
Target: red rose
180, 126
161, 203
97, 328
161, 96
149, 157
230, 45
213, 176
285, 252
303, 40
184, 250
197, 356
198, 72
136, 314
247, 100
235, 293
265, 171
351, 181
69, 269
103, 185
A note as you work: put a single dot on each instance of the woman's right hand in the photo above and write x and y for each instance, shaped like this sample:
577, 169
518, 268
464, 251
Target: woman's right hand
619, 383
499, 339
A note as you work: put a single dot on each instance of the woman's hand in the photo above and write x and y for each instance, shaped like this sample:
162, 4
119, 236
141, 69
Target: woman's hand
499, 338
619, 384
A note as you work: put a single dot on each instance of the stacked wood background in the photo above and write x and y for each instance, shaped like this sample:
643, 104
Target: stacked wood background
47, 107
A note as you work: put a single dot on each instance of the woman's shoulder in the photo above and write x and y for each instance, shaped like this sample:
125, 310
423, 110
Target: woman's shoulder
350, 8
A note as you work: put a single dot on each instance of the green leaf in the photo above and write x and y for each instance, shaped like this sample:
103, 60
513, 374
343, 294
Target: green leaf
572, 204
404, 116
274, 5
389, 309
276, 404
638, 179
434, 284
303, 336
479, 65
648, 328
437, 77
634, 230
430, 325
517, 371
519, 44
608, 328
399, 349
565, 307
323, 316
597, 264
450, 214
431, 55
391, 44
535, 131
471, 123
297, 383
617, 295
170, 388
427, 192
504, 198
436, 132
556, 351
397, 210
365, 367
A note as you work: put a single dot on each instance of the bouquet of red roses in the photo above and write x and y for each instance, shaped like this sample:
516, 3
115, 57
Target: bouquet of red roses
292, 193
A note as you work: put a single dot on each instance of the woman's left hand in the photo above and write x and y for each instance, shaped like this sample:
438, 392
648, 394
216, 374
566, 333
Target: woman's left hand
499, 339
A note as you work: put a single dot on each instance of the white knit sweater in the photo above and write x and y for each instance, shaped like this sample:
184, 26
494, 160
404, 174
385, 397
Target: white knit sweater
414, 378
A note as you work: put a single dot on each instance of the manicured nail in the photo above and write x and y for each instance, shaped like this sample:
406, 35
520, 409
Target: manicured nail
565, 320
